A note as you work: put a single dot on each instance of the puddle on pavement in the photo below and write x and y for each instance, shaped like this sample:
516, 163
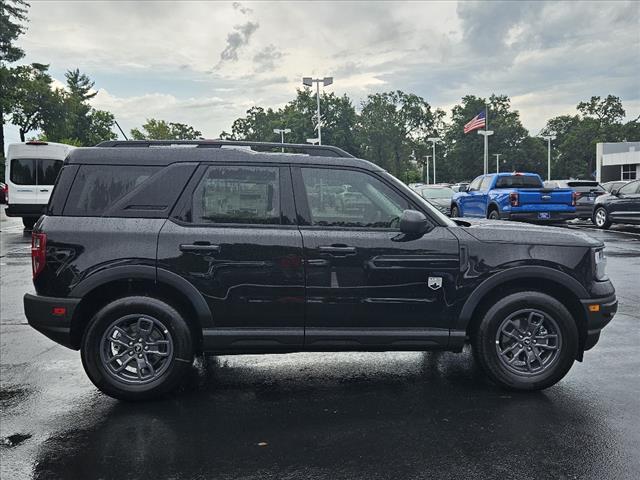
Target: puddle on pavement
14, 440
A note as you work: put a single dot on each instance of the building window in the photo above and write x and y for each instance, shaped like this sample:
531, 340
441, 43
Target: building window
629, 172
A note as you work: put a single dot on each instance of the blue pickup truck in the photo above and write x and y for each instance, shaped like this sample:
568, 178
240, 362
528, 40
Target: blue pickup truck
514, 196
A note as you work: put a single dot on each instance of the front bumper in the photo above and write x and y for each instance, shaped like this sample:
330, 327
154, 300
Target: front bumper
25, 210
599, 312
51, 316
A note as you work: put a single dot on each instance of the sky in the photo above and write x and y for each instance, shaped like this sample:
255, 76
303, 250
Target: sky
206, 63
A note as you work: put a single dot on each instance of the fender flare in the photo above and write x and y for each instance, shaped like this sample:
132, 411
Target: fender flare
490, 205
529, 272
148, 272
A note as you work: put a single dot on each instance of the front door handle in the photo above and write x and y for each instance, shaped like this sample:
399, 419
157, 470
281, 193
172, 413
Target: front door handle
338, 250
199, 247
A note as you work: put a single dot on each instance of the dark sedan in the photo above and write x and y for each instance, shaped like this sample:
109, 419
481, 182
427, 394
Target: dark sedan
586, 193
620, 206
438, 195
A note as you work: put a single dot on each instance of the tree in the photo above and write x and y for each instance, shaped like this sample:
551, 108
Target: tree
33, 98
464, 153
608, 111
72, 119
393, 127
13, 14
160, 130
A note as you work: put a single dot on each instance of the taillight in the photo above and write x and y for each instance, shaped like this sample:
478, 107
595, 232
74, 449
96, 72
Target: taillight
514, 199
38, 252
574, 198
577, 195
6, 192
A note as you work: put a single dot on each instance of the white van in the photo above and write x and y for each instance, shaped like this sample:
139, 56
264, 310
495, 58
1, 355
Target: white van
31, 170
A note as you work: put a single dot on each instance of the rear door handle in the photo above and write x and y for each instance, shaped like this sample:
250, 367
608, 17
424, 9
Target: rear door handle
199, 247
338, 250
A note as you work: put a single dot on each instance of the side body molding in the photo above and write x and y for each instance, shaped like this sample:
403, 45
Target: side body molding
532, 272
147, 272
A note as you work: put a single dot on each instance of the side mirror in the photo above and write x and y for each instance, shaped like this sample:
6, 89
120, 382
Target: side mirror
614, 192
413, 223
463, 188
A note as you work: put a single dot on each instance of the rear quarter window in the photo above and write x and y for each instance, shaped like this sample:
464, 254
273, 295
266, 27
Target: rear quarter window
23, 171
98, 187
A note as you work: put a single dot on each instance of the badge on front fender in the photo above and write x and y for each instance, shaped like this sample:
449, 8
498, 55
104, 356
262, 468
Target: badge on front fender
435, 283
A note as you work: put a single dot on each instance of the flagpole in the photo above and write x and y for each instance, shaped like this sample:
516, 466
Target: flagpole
486, 140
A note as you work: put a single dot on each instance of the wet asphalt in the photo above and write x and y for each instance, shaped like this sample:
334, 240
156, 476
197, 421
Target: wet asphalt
321, 415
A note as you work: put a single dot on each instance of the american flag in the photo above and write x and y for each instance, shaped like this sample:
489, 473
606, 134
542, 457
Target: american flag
476, 122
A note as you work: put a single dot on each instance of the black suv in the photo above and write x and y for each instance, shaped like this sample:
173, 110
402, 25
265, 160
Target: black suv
149, 256
620, 206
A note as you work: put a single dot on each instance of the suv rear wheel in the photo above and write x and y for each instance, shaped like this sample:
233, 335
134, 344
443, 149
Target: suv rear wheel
137, 348
526, 341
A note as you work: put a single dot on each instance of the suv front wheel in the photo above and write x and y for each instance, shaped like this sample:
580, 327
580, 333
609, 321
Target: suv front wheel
137, 348
526, 341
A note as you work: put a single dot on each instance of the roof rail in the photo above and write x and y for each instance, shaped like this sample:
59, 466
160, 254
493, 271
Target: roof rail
318, 150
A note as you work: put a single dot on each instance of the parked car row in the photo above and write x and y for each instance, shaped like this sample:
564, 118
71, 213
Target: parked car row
523, 196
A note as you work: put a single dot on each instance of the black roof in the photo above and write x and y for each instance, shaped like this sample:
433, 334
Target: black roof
163, 153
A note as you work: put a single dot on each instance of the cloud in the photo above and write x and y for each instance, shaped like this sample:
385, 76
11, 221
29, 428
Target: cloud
242, 9
266, 58
237, 39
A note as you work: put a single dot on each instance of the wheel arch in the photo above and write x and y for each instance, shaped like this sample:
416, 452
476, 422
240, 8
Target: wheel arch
554, 283
117, 282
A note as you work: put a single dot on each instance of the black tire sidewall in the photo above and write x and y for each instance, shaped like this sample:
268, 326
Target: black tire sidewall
175, 324
484, 339
494, 215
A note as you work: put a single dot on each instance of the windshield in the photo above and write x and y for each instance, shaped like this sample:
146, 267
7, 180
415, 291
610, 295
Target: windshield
437, 192
523, 181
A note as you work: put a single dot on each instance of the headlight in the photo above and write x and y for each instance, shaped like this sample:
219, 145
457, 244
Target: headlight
599, 264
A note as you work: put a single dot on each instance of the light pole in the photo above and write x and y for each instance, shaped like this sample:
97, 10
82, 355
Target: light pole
308, 82
497, 155
282, 131
433, 141
427, 168
548, 138
486, 134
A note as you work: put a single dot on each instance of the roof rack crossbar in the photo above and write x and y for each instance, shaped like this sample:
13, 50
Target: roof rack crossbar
327, 150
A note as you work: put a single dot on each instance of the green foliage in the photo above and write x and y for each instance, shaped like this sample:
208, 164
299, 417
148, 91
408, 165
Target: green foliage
71, 117
160, 130
13, 13
599, 120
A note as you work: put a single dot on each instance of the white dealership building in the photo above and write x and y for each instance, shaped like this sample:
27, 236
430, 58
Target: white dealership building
617, 161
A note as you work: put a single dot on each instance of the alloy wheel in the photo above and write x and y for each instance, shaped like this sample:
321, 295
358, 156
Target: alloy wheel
136, 349
528, 342
601, 217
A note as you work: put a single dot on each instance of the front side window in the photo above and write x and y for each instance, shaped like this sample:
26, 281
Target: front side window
98, 187
23, 171
628, 172
630, 188
475, 185
347, 198
486, 182
241, 195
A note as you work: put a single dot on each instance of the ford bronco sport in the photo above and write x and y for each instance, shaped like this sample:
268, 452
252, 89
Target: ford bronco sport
151, 253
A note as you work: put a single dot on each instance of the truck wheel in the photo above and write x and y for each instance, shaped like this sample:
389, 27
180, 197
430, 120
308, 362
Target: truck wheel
601, 218
494, 215
29, 222
455, 211
526, 341
137, 348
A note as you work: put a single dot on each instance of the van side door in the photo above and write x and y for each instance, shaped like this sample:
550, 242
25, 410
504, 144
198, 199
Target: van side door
233, 236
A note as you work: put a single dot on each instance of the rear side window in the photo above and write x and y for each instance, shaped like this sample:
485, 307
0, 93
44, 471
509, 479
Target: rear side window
519, 181
23, 171
237, 194
98, 187
32, 171
47, 171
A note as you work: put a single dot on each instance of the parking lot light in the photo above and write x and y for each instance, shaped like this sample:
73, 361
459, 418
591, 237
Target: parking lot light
308, 82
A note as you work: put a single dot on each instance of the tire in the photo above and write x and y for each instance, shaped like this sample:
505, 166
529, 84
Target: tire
494, 215
29, 222
154, 363
601, 218
526, 372
455, 211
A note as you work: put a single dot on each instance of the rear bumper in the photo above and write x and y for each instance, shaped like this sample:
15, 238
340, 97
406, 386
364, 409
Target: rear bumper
25, 210
533, 216
40, 314
599, 312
